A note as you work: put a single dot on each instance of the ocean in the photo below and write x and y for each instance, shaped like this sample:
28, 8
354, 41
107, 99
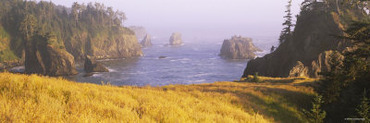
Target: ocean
192, 63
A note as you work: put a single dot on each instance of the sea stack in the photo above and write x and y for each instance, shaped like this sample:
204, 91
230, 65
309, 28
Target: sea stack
93, 66
175, 39
146, 42
238, 48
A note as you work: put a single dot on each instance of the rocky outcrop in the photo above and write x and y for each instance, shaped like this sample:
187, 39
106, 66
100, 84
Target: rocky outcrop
324, 62
238, 48
140, 32
299, 70
306, 52
146, 42
43, 58
176, 39
93, 66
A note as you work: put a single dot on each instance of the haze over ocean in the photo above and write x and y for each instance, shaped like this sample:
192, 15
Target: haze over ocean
215, 19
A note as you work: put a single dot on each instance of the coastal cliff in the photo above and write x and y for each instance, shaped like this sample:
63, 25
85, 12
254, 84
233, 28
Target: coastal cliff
43, 58
75, 30
308, 51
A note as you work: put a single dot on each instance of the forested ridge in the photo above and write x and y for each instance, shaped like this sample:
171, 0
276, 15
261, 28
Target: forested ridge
83, 29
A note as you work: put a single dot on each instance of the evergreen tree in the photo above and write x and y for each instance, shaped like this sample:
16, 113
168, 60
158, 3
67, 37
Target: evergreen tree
28, 26
342, 87
316, 115
286, 32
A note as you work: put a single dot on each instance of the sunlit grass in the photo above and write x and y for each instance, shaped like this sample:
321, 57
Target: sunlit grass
31, 98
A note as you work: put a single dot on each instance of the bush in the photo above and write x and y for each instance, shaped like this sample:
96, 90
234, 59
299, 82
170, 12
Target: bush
363, 108
256, 78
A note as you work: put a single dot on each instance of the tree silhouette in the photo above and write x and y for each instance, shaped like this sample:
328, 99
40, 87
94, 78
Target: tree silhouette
286, 32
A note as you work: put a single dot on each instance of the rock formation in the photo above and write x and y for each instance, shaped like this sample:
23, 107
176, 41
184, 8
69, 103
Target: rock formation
175, 39
93, 66
238, 48
140, 32
146, 42
43, 58
85, 36
117, 46
307, 52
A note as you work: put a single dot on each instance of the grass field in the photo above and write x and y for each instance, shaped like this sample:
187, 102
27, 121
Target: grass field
32, 98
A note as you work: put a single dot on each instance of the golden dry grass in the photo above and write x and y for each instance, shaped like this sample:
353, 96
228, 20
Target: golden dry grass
32, 98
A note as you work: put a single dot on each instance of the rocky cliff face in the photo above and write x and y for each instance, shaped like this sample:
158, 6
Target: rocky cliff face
146, 42
238, 48
307, 52
175, 39
107, 46
42, 58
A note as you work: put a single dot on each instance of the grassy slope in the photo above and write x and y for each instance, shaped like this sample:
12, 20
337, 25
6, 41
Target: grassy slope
34, 98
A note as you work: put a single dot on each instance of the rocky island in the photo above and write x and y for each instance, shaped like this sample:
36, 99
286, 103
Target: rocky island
238, 48
146, 42
176, 39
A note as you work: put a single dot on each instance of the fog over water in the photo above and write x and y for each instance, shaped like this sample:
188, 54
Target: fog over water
200, 20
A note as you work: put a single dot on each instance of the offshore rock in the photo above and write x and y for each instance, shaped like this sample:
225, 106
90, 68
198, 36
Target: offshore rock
146, 42
176, 39
238, 48
93, 66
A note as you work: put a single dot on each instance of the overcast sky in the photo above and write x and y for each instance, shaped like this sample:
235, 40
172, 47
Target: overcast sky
195, 18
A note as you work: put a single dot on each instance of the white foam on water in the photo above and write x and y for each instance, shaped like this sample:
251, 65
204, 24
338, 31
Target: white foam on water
97, 75
198, 81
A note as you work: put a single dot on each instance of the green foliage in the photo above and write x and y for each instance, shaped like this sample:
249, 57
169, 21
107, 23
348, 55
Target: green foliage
7, 55
28, 26
316, 114
71, 30
342, 86
256, 78
364, 108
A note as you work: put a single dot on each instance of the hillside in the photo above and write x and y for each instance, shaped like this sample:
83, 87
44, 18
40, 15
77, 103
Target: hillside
315, 38
32, 98
83, 29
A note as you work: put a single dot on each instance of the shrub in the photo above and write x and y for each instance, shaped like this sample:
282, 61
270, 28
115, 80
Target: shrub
316, 115
256, 78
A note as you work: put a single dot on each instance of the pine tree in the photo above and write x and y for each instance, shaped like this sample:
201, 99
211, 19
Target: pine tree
286, 32
316, 115
28, 26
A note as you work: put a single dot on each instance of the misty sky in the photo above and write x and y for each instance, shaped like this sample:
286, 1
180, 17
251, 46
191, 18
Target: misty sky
197, 18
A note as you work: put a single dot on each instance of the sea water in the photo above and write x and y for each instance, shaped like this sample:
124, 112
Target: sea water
192, 63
